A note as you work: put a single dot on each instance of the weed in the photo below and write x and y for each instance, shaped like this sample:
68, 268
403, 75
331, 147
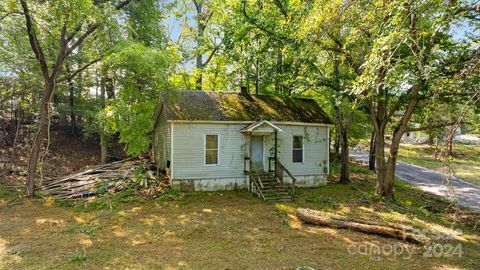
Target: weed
169, 194
88, 229
78, 256
325, 201
19, 250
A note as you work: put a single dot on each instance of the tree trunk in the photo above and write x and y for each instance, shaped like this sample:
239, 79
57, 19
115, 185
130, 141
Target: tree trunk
371, 154
336, 221
380, 161
336, 149
343, 140
450, 144
39, 137
437, 150
71, 99
199, 53
344, 170
12, 160
257, 75
103, 136
279, 71
342, 126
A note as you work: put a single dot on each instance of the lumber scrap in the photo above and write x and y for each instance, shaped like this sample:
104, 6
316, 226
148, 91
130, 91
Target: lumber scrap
109, 176
320, 218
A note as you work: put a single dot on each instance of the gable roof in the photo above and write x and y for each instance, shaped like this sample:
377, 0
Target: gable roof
260, 124
233, 106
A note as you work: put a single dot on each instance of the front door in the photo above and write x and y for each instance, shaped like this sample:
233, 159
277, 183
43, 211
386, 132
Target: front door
257, 152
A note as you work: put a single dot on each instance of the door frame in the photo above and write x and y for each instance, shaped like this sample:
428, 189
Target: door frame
263, 150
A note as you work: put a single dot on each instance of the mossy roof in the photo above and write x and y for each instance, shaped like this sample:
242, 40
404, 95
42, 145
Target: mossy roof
233, 106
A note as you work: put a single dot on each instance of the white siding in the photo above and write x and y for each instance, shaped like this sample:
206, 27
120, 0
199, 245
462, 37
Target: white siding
315, 149
189, 156
189, 160
161, 142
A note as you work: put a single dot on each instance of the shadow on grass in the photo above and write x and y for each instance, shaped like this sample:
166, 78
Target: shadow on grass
211, 230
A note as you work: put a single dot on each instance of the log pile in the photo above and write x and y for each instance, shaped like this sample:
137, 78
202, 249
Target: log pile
100, 178
319, 218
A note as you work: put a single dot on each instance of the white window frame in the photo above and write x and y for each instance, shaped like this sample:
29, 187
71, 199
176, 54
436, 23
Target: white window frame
303, 148
205, 149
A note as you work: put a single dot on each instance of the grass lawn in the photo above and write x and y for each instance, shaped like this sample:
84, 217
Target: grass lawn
226, 230
465, 160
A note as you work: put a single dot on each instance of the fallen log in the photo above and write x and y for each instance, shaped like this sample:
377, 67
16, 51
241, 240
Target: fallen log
314, 217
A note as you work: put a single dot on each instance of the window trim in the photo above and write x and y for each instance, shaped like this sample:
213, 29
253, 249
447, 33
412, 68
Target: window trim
205, 149
303, 148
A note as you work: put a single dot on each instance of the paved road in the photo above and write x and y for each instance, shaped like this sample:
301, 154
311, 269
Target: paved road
432, 181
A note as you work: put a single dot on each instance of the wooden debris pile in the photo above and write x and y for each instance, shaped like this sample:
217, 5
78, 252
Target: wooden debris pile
110, 177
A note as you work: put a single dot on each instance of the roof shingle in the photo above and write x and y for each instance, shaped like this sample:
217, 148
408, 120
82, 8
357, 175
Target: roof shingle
233, 106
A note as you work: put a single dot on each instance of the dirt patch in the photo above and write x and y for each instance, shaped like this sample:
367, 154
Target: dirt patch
67, 153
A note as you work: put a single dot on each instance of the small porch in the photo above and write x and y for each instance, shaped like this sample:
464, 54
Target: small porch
263, 168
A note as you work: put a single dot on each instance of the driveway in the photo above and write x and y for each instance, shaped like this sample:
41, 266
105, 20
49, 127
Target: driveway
432, 181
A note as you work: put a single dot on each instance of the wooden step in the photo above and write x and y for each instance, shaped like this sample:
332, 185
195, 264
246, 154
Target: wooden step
273, 190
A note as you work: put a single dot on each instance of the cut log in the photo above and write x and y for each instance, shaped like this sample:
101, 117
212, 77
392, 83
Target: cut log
319, 218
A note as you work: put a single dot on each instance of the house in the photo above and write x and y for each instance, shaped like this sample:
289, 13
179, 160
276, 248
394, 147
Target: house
208, 141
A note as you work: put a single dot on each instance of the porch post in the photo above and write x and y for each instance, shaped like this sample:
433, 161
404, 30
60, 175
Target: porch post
250, 162
275, 155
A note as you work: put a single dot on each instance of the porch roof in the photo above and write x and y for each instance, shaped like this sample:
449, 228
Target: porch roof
263, 127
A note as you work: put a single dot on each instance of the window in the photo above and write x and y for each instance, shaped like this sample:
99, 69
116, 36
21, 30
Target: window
297, 152
211, 149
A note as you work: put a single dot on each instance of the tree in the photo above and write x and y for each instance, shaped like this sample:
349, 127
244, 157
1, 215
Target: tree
409, 44
70, 25
141, 66
337, 51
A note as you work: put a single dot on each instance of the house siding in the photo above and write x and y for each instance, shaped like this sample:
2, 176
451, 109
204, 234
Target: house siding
161, 142
188, 158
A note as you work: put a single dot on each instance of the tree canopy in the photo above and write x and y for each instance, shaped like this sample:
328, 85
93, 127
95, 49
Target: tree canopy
375, 66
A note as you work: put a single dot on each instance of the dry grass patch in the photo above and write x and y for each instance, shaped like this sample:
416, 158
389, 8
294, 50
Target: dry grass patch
223, 230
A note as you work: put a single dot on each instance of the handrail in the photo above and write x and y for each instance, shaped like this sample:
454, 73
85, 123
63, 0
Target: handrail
256, 181
279, 169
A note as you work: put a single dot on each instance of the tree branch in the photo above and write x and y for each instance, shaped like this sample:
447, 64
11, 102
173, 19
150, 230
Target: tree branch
262, 28
122, 4
62, 53
90, 29
34, 43
73, 74
215, 49
11, 13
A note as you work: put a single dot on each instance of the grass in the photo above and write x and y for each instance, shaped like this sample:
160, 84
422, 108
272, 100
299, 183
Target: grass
226, 230
465, 160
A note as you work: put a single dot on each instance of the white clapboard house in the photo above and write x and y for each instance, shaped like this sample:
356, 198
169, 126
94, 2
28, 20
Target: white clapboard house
208, 141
